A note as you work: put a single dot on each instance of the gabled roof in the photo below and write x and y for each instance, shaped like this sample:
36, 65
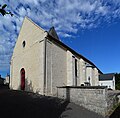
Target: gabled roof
104, 77
53, 33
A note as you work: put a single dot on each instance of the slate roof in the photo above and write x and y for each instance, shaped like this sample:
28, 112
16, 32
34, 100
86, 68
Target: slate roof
104, 77
53, 33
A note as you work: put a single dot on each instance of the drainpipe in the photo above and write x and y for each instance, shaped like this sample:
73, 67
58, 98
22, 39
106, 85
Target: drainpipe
11, 74
85, 73
44, 65
45, 59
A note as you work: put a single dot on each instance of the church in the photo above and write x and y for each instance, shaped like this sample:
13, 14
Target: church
41, 62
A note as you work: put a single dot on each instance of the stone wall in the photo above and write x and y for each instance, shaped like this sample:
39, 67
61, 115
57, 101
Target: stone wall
93, 98
112, 100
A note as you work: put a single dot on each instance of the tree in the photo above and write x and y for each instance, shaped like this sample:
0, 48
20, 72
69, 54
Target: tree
3, 11
117, 81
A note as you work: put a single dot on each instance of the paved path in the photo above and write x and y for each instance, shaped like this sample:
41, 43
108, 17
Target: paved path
18, 104
75, 111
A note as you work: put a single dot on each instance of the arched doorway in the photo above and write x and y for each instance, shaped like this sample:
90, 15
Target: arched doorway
22, 72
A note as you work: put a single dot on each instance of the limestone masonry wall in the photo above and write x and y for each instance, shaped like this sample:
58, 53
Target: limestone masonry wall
93, 98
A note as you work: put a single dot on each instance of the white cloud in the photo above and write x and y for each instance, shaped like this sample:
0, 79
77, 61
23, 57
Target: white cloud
67, 35
32, 1
68, 16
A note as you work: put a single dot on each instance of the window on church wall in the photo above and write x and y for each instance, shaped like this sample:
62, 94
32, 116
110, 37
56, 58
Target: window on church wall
75, 67
74, 63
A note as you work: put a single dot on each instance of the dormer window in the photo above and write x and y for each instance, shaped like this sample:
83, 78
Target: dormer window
23, 44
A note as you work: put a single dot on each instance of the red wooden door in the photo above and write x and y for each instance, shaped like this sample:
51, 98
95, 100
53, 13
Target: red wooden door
22, 79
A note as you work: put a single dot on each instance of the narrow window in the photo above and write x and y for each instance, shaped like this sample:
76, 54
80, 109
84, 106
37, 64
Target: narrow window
113, 83
75, 67
23, 44
75, 71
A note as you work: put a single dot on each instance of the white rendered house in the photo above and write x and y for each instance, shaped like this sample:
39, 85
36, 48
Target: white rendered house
107, 80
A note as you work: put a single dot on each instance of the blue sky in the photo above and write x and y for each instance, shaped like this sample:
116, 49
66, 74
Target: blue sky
91, 27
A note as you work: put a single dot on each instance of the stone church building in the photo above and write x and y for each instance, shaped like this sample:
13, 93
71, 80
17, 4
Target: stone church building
41, 62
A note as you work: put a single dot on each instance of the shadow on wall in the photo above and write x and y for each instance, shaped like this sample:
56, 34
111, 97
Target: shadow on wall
68, 94
28, 85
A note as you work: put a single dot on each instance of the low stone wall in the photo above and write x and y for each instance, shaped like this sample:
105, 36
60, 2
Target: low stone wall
112, 100
95, 99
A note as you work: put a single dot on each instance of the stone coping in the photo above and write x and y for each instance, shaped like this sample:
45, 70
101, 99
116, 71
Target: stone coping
84, 87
